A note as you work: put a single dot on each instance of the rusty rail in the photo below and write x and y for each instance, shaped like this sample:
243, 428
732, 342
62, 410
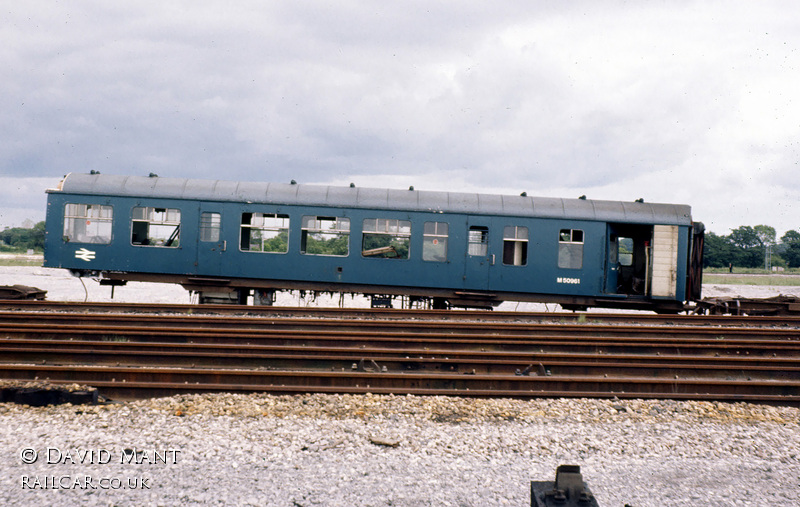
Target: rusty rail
396, 314
147, 355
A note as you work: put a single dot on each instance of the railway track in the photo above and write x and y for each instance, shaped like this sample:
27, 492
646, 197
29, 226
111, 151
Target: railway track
394, 314
139, 355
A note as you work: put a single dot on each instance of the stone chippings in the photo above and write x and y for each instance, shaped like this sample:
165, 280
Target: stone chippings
403, 450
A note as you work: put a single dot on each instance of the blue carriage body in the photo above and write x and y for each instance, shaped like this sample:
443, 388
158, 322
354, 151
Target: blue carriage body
466, 249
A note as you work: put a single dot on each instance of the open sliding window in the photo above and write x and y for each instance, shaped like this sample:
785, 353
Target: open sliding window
570, 249
434, 242
515, 245
159, 227
325, 236
264, 232
88, 223
386, 238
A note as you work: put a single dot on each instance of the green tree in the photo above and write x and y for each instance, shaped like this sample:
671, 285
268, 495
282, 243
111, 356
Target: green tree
22, 238
790, 242
766, 234
745, 237
326, 244
750, 245
279, 243
791, 237
718, 251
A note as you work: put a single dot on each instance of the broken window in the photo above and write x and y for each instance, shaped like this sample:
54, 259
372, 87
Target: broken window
325, 236
570, 249
515, 245
264, 232
156, 227
386, 238
88, 223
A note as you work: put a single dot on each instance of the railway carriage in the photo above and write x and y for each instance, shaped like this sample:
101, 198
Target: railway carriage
227, 240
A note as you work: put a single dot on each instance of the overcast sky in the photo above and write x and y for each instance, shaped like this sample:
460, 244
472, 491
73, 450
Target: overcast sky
688, 102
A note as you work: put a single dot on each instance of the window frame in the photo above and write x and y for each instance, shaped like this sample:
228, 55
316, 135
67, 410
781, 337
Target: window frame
625, 259
281, 224
99, 221
341, 228
520, 245
397, 229
570, 248
478, 248
210, 230
171, 241
434, 241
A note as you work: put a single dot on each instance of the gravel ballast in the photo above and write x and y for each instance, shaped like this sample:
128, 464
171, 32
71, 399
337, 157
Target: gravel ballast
308, 450
346, 450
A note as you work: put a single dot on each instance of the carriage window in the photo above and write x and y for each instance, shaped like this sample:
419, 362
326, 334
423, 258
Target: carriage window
325, 236
209, 226
88, 223
434, 242
625, 251
478, 240
515, 245
386, 238
264, 232
156, 227
570, 249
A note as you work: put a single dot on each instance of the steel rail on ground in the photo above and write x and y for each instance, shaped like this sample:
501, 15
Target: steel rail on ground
147, 355
392, 314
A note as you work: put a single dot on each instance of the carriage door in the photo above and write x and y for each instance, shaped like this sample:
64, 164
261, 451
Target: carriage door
210, 245
665, 260
629, 259
479, 254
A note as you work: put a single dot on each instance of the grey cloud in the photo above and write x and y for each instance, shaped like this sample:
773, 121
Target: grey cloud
581, 96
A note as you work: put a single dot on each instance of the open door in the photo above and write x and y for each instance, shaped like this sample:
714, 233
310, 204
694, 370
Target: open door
612, 263
642, 260
628, 259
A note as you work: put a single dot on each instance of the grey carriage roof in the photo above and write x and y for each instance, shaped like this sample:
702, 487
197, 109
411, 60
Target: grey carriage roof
373, 198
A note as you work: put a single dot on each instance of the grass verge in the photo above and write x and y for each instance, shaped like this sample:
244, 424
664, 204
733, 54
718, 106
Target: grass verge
782, 280
21, 260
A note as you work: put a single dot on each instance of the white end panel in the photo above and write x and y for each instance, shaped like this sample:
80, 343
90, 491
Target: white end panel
665, 260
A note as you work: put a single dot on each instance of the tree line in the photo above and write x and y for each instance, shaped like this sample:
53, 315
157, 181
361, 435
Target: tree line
23, 238
752, 247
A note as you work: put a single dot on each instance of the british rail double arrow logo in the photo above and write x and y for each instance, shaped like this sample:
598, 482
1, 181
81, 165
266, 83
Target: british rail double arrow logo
84, 254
